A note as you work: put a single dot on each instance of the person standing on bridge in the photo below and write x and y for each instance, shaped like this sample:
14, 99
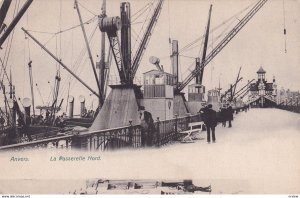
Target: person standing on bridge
210, 121
147, 127
229, 115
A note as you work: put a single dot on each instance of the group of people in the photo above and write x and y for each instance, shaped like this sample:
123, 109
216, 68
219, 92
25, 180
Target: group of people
209, 116
226, 114
210, 119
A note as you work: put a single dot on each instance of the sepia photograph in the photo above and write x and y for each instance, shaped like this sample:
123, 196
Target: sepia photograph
149, 97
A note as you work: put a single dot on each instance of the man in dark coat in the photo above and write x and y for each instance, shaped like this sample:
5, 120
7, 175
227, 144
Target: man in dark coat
210, 120
223, 116
229, 115
147, 127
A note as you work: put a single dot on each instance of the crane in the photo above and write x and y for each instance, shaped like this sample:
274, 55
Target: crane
222, 43
122, 52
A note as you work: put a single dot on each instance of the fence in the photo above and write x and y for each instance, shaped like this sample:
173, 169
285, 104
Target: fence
109, 139
292, 108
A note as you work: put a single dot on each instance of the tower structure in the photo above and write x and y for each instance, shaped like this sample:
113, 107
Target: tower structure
263, 93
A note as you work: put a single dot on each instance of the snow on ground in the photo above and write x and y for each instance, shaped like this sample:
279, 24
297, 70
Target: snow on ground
259, 154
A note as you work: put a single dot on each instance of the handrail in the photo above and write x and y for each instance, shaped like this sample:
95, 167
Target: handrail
167, 128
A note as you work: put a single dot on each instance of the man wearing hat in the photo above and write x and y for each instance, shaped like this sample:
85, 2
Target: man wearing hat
147, 127
210, 121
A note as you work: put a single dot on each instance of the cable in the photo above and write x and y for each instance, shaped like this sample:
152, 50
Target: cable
64, 30
215, 28
133, 18
284, 30
87, 9
78, 63
150, 9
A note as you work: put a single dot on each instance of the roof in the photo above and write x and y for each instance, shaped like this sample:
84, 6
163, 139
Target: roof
155, 71
268, 86
261, 70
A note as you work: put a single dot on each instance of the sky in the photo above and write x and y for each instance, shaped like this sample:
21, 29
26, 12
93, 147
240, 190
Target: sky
260, 43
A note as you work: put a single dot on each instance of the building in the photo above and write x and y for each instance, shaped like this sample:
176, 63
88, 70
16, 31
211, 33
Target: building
263, 93
159, 94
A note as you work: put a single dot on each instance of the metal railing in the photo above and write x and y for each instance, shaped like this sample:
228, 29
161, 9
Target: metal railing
292, 108
164, 132
63, 142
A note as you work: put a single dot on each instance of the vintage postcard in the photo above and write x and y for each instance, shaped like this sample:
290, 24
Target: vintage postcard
149, 97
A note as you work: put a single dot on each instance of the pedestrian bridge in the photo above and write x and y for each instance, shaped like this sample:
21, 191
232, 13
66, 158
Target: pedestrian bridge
166, 132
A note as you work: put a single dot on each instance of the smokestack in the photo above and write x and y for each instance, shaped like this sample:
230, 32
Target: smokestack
71, 106
12, 110
82, 105
27, 104
174, 59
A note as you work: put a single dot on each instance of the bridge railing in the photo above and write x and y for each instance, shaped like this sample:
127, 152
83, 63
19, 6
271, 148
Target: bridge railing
129, 136
292, 108
61, 142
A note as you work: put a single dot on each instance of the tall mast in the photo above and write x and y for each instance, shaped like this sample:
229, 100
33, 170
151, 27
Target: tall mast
88, 49
102, 57
31, 86
174, 60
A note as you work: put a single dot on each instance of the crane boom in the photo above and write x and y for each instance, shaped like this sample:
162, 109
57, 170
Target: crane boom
244, 87
233, 93
245, 93
231, 87
242, 93
146, 37
15, 21
199, 77
3, 11
60, 62
223, 43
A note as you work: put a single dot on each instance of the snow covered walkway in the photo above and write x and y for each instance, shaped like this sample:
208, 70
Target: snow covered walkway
259, 154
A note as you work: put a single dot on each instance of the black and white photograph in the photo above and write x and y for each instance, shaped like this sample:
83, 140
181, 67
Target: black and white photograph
149, 97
